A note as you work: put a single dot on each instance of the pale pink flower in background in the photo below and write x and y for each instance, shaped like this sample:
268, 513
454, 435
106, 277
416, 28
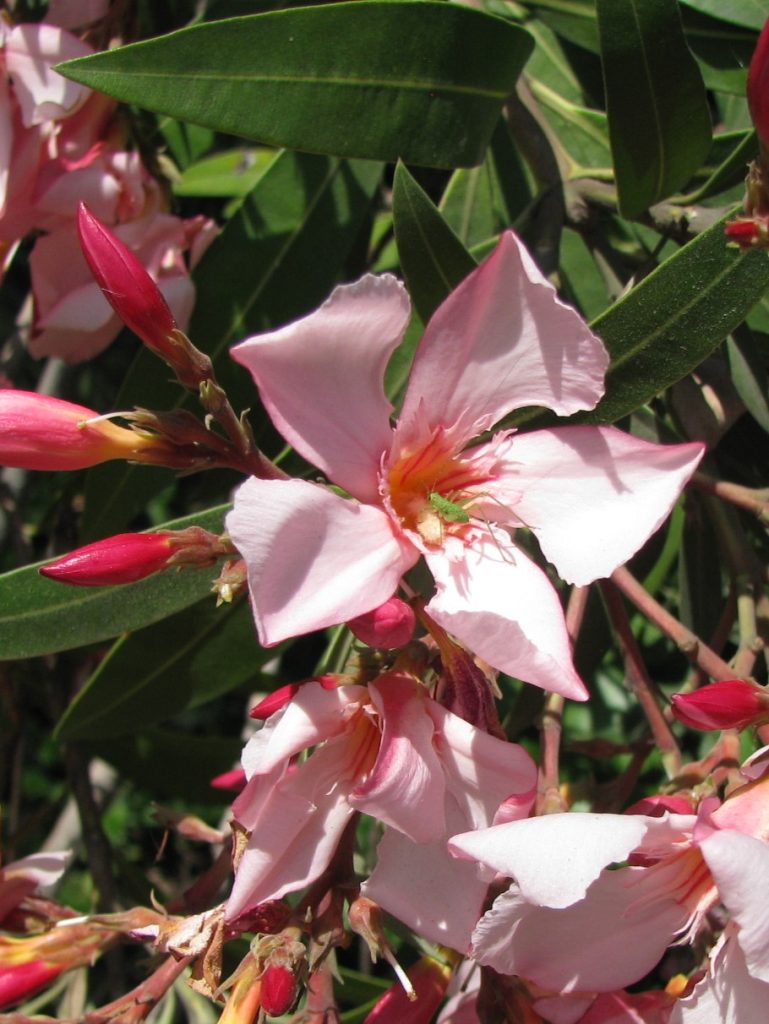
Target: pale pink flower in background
37, 873
569, 924
73, 320
390, 751
502, 340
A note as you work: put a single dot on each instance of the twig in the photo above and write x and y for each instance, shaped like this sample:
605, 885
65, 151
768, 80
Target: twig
755, 501
687, 642
639, 681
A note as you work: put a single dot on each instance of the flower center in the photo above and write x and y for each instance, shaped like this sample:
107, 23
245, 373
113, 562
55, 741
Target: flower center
432, 488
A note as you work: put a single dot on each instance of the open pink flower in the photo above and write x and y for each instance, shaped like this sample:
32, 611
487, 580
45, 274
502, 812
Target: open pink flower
569, 923
390, 751
500, 341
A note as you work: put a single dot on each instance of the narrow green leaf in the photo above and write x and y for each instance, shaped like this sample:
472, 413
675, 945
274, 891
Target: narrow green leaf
433, 259
743, 147
39, 616
171, 765
232, 173
659, 122
669, 323
747, 13
480, 202
748, 373
572, 20
156, 672
246, 282
419, 80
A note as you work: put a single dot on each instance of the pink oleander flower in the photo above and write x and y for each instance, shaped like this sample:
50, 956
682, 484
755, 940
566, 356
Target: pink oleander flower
502, 340
728, 704
570, 924
390, 751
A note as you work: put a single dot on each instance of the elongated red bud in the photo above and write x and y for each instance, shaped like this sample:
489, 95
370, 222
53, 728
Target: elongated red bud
138, 301
729, 704
40, 432
20, 981
758, 86
390, 625
128, 557
748, 232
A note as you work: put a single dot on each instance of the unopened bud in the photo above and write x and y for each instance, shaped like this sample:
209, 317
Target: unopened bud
280, 990
138, 301
20, 981
748, 232
128, 557
278, 699
40, 432
390, 625
730, 704
429, 980
758, 86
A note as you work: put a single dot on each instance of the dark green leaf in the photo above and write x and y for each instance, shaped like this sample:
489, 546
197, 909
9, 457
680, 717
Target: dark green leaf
419, 80
39, 616
659, 122
171, 765
748, 13
730, 169
669, 323
247, 281
155, 673
748, 373
481, 202
433, 259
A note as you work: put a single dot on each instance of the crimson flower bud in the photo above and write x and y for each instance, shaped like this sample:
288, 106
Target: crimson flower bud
128, 557
20, 981
138, 301
280, 990
429, 979
285, 694
758, 86
235, 779
730, 704
748, 232
40, 432
389, 625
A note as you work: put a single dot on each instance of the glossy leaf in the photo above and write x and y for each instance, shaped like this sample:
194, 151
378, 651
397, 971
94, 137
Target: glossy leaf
433, 259
659, 122
246, 282
233, 173
419, 80
748, 374
138, 683
39, 616
480, 202
748, 13
669, 323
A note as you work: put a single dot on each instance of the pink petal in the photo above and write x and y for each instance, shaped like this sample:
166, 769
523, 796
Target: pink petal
481, 770
728, 995
747, 809
315, 714
320, 379
6, 140
504, 609
594, 495
406, 786
500, 341
554, 858
439, 897
298, 827
596, 945
43, 94
313, 559
740, 867
74, 13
